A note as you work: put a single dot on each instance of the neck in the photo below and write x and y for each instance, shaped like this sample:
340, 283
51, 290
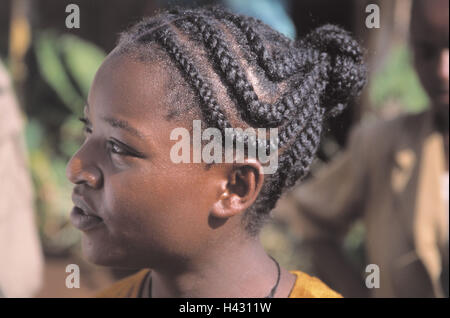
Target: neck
242, 269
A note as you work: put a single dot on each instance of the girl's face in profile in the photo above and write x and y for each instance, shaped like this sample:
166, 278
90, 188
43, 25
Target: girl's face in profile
146, 207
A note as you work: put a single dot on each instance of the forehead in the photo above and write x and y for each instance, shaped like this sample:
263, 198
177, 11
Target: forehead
127, 87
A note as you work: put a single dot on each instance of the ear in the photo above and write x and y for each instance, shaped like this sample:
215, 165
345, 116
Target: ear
245, 181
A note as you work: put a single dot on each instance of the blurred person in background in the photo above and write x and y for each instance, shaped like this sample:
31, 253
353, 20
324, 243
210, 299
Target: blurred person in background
21, 260
394, 176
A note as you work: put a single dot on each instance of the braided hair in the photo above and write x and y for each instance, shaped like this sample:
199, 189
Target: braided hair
268, 80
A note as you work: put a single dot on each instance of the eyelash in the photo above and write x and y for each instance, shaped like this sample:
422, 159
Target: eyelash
111, 145
86, 127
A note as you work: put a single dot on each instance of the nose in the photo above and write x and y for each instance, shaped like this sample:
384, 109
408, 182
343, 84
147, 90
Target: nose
82, 170
443, 65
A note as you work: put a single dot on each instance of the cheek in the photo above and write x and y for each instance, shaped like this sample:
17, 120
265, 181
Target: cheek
156, 211
160, 194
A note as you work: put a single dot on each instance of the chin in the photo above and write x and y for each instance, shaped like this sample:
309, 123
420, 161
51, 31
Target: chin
103, 253
97, 252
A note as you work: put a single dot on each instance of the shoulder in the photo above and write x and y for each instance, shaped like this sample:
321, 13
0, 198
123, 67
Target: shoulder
128, 287
382, 130
311, 287
375, 140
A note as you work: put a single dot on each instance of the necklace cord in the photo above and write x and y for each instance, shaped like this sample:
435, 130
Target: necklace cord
274, 288
272, 291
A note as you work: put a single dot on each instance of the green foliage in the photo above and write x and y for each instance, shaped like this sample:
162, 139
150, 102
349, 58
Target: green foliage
397, 82
52, 191
354, 244
82, 59
71, 136
68, 65
52, 70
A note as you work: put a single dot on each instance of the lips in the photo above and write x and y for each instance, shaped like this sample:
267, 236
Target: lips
82, 216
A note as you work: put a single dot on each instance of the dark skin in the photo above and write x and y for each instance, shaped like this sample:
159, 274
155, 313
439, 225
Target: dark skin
181, 220
429, 42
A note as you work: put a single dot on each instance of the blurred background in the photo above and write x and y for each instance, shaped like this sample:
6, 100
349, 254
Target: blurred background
51, 68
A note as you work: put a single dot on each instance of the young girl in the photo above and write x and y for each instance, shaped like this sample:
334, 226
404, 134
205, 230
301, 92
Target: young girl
196, 224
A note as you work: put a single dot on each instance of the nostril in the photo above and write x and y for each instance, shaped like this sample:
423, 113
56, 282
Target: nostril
81, 169
79, 173
93, 178
69, 171
73, 170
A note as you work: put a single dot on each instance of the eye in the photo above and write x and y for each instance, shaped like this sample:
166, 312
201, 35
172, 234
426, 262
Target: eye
87, 129
115, 148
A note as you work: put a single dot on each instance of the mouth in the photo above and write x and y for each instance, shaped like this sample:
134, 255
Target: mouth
82, 217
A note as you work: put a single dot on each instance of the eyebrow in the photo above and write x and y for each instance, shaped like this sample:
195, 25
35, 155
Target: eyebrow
120, 123
123, 124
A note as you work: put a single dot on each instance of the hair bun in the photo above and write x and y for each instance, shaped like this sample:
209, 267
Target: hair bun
346, 69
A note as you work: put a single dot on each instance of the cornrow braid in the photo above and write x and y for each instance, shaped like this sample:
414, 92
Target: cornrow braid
212, 113
308, 95
293, 165
306, 81
252, 110
275, 71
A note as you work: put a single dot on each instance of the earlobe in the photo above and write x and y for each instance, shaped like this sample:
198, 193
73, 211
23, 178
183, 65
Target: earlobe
240, 192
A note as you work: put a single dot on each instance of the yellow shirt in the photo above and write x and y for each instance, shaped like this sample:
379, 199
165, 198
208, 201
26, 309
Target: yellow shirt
305, 287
